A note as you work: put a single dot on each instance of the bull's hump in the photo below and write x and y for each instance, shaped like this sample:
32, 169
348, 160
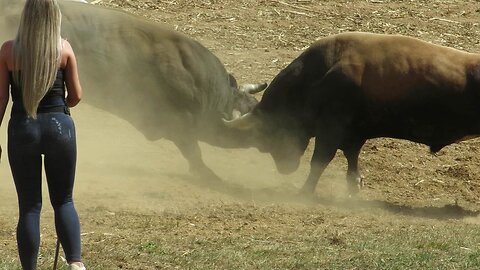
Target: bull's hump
393, 83
393, 67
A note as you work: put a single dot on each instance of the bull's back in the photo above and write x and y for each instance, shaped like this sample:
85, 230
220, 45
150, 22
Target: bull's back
136, 68
389, 67
386, 86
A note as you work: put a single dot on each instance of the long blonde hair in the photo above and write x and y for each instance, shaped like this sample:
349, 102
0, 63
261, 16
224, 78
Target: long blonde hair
37, 51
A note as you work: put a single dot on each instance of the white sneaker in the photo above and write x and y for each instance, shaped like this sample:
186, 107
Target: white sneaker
76, 267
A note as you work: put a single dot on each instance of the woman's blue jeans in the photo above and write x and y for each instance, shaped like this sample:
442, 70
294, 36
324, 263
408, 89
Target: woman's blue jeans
53, 136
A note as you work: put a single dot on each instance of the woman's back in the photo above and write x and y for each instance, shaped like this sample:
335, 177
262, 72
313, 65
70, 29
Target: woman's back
67, 74
53, 101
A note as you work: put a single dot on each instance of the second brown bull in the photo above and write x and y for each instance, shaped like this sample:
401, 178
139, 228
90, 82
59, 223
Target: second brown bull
351, 87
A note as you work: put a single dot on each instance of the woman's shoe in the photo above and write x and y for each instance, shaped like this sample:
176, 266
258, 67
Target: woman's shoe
74, 266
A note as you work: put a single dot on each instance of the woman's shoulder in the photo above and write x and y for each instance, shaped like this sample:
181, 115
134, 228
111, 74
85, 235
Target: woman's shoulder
7, 46
67, 52
6, 52
66, 47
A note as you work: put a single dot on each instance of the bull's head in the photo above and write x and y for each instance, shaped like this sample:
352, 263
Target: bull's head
278, 135
243, 97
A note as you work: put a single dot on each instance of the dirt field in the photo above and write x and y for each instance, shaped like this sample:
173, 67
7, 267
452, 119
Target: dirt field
134, 195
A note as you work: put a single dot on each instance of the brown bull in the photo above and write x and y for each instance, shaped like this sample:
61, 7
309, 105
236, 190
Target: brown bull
351, 87
165, 84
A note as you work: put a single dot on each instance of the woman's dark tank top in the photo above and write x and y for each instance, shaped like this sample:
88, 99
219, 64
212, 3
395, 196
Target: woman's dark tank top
53, 101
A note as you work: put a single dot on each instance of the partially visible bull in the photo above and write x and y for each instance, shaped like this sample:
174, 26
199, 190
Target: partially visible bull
165, 84
351, 87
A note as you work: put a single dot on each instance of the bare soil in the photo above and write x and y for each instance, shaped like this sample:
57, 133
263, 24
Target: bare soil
120, 173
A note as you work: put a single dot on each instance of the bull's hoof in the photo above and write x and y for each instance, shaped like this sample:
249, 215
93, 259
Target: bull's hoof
305, 195
355, 185
205, 175
306, 190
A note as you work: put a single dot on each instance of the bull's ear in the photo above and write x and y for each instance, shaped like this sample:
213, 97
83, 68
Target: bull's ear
233, 81
253, 88
244, 122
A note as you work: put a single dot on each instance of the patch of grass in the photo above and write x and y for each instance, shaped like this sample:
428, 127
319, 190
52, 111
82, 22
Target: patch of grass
240, 237
149, 247
9, 264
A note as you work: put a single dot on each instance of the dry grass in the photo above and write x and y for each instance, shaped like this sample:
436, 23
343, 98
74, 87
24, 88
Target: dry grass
243, 236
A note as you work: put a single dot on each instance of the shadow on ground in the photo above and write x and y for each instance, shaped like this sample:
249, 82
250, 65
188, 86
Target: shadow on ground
291, 195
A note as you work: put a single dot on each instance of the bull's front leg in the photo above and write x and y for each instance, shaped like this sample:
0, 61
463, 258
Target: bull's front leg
354, 179
322, 155
192, 153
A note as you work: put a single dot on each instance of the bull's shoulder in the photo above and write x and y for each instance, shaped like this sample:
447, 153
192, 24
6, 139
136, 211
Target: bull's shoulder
115, 22
389, 52
389, 66
371, 45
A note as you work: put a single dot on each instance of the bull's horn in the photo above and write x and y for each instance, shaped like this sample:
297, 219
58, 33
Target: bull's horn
253, 88
244, 122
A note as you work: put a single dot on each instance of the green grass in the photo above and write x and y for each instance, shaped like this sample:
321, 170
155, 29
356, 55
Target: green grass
273, 237
9, 264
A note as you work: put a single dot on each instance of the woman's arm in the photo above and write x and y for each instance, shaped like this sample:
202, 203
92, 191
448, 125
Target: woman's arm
74, 89
4, 84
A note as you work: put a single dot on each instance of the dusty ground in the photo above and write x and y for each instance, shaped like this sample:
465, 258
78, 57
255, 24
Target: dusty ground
120, 172
255, 39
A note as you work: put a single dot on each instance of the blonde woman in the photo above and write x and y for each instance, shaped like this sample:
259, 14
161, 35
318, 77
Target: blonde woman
40, 69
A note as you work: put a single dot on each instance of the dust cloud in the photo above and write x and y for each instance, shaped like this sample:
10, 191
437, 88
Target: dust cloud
119, 169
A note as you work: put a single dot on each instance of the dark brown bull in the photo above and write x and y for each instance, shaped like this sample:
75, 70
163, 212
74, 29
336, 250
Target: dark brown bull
351, 87
165, 84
